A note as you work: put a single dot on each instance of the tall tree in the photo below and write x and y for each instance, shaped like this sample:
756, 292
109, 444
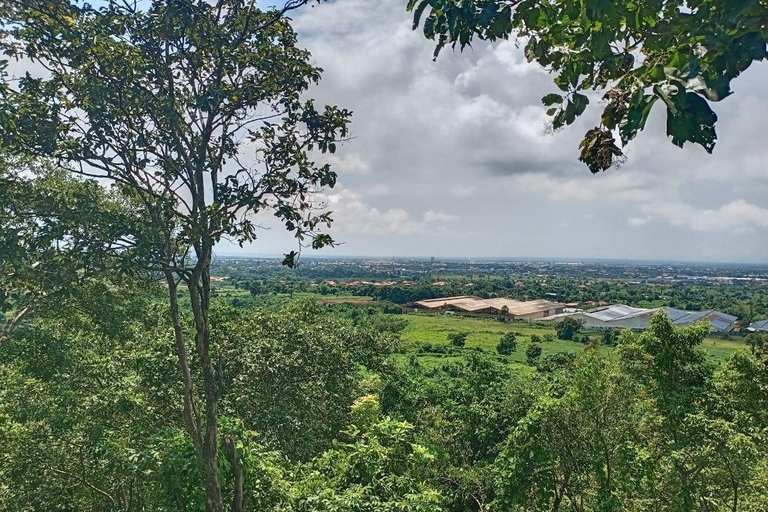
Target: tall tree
682, 54
194, 109
57, 233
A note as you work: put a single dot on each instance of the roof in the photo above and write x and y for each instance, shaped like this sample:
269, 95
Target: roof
472, 304
760, 325
615, 312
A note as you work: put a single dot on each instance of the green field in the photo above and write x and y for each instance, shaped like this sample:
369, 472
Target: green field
484, 333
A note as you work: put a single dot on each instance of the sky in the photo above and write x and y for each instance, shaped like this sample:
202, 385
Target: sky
454, 158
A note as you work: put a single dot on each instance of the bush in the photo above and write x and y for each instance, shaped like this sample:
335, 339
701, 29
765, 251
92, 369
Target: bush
458, 339
549, 338
507, 344
533, 353
568, 328
535, 338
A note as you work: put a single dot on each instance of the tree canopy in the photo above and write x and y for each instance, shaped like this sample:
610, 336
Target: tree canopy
682, 55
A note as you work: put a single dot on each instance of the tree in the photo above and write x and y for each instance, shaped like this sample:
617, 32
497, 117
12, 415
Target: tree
756, 342
532, 353
161, 101
568, 328
682, 55
507, 344
292, 374
458, 339
382, 467
57, 234
577, 444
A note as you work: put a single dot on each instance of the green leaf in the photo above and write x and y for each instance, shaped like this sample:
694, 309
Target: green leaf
551, 99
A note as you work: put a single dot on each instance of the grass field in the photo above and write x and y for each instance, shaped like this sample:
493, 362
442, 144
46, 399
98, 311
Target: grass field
485, 333
228, 291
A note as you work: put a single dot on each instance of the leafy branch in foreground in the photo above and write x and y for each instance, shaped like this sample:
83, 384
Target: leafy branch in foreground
681, 54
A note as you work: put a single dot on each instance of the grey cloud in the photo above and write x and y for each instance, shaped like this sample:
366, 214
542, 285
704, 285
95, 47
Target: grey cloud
465, 138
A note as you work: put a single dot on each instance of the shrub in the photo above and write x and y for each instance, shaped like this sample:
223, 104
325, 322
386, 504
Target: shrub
507, 344
458, 339
533, 353
568, 328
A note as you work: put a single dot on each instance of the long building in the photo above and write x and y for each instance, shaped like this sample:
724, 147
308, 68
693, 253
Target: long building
620, 316
476, 306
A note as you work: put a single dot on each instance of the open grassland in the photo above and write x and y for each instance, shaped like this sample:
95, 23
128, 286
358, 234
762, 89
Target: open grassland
484, 333
224, 290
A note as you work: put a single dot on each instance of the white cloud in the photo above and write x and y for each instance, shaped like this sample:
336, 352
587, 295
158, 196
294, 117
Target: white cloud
349, 164
638, 221
431, 217
353, 215
738, 216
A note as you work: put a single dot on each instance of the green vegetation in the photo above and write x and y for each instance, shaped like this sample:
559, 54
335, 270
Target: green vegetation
568, 329
138, 376
458, 339
532, 354
163, 101
507, 344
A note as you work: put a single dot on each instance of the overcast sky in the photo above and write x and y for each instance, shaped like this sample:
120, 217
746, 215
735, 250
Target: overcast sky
453, 158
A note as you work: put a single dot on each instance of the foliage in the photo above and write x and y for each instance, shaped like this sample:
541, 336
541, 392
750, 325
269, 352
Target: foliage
89, 418
507, 344
533, 353
682, 55
757, 343
57, 234
292, 374
458, 339
381, 467
161, 100
89, 414
568, 328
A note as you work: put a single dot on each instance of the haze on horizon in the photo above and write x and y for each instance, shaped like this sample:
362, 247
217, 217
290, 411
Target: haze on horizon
453, 158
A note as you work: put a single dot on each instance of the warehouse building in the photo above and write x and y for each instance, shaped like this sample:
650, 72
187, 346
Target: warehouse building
476, 306
619, 316
759, 326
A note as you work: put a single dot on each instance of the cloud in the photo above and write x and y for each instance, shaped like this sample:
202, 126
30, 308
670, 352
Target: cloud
738, 216
353, 215
638, 221
349, 164
459, 148
431, 217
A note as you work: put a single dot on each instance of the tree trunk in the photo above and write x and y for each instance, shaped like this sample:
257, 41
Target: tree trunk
238, 503
191, 418
199, 294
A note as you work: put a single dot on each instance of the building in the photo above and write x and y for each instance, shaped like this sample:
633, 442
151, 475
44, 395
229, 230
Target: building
476, 306
619, 316
760, 325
